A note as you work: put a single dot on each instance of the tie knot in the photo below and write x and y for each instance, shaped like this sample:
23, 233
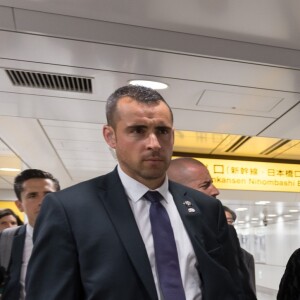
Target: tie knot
153, 196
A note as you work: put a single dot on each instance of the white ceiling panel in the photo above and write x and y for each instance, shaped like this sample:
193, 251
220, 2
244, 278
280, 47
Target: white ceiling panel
145, 37
28, 141
87, 164
4, 184
288, 126
78, 145
219, 123
239, 102
159, 63
45, 107
7, 18
273, 22
94, 156
74, 134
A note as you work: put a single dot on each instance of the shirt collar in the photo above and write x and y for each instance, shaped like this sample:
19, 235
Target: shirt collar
29, 229
136, 190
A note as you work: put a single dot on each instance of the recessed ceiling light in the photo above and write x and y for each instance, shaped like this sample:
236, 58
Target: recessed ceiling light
241, 209
150, 84
241, 222
254, 219
10, 169
272, 215
293, 210
262, 202
287, 216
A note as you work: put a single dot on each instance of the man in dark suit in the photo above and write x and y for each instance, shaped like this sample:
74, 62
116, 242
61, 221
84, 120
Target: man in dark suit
247, 257
194, 174
97, 239
30, 187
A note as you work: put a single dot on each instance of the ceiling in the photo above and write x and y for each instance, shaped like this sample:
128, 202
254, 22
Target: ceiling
232, 69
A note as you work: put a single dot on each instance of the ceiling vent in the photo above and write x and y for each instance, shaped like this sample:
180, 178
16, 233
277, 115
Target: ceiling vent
275, 146
241, 141
50, 81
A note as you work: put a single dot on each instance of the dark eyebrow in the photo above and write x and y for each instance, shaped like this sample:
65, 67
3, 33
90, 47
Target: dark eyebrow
32, 194
164, 127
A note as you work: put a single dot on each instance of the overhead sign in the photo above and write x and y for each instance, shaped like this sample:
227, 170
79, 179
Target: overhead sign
250, 175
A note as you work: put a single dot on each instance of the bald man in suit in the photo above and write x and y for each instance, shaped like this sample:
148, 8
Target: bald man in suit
194, 174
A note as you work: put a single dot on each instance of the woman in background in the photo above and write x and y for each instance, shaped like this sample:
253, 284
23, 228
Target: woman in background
9, 219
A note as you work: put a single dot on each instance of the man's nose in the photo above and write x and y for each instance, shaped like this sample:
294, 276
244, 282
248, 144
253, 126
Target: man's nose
215, 192
153, 141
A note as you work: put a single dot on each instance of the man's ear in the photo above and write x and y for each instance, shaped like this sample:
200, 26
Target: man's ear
19, 205
109, 136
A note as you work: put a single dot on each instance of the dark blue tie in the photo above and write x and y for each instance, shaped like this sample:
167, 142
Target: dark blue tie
165, 249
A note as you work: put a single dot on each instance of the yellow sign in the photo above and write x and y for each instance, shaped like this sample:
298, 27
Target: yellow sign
250, 175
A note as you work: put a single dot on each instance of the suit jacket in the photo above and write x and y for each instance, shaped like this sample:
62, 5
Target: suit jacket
243, 274
12, 287
289, 287
250, 264
87, 245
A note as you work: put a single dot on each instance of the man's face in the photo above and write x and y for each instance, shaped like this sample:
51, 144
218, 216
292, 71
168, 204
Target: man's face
143, 138
7, 222
200, 179
34, 191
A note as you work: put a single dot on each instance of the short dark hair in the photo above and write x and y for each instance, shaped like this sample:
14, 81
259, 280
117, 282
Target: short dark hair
31, 174
233, 214
136, 92
9, 212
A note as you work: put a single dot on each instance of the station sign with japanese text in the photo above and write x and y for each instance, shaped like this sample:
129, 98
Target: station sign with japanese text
251, 175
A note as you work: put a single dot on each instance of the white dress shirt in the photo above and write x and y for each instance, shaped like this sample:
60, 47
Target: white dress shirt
26, 255
140, 208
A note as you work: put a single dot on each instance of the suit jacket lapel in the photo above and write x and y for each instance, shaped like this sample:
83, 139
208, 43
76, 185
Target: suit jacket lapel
118, 208
190, 214
13, 286
203, 239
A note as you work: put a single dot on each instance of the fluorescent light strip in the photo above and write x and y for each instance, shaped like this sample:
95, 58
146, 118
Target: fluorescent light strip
10, 169
156, 85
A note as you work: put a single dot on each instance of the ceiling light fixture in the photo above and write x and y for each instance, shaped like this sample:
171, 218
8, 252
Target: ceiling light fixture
241, 209
10, 169
150, 84
293, 210
262, 202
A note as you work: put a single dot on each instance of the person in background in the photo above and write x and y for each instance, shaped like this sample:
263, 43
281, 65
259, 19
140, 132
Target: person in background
247, 257
30, 187
8, 218
132, 234
194, 174
289, 287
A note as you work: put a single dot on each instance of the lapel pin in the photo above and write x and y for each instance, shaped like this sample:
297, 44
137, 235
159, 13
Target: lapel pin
187, 203
189, 206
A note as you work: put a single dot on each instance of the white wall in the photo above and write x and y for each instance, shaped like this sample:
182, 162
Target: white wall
271, 246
